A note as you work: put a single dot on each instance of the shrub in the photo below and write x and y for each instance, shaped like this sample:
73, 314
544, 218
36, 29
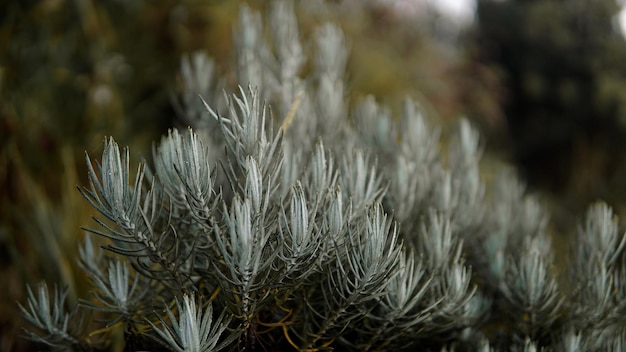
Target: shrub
312, 231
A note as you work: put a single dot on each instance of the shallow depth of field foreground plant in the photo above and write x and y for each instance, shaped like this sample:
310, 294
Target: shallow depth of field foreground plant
321, 224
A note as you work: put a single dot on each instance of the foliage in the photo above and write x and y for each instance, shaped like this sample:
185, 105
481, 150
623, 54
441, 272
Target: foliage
324, 227
562, 71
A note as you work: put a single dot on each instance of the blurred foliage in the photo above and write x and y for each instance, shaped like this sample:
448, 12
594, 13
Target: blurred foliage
562, 68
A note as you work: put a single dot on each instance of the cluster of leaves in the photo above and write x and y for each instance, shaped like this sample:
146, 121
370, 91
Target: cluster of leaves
343, 228
68, 76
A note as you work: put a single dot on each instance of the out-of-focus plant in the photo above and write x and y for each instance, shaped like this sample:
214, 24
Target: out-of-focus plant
563, 78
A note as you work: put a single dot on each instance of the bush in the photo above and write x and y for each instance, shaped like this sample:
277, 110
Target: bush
311, 230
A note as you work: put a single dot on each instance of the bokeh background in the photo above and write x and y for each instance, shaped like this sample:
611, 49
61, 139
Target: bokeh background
544, 80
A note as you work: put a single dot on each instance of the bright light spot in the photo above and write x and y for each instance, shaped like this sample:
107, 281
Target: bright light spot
459, 11
622, 18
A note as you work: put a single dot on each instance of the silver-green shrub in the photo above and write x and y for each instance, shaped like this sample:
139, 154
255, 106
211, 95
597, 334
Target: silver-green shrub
320, 225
